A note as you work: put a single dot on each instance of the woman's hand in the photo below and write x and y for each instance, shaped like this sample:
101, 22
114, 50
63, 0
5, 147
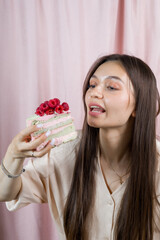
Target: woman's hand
22, 147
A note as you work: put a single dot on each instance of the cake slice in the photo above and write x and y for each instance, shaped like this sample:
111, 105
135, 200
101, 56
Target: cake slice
54, 119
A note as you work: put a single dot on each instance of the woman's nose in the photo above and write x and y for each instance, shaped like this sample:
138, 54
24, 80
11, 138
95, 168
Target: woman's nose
97, 92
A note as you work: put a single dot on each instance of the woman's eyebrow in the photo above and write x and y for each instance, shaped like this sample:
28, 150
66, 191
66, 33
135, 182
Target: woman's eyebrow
108, 77
94, 76
114, 78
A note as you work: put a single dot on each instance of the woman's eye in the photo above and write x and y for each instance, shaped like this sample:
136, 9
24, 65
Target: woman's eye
91, 86
111, 88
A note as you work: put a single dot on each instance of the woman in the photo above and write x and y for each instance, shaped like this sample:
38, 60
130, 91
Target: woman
106, 184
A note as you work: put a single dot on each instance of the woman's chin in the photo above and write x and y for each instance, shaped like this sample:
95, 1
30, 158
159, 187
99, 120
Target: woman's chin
93, 124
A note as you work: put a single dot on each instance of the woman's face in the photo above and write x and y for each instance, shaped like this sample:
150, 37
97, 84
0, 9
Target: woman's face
110, 98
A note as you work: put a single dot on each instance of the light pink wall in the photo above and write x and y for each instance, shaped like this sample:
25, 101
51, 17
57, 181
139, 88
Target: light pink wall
46, 48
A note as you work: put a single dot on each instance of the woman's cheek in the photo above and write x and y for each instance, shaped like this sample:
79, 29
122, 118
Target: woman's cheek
87, 97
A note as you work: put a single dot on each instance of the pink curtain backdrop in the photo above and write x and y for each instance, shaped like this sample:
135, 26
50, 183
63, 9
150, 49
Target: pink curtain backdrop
46, 49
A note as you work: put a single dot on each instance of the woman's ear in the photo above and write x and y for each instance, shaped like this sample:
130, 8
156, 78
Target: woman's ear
133, 113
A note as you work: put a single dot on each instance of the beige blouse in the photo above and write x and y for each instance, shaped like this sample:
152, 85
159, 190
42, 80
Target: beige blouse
48, 179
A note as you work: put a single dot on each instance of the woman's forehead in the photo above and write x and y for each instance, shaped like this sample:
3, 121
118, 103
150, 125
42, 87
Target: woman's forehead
111, 68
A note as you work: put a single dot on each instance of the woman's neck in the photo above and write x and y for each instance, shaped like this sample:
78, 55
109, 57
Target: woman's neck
115, 145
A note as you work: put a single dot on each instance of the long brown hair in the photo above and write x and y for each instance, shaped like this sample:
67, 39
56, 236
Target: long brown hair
136, 213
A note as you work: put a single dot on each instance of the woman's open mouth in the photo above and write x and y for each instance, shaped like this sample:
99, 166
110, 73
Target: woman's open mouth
95, 109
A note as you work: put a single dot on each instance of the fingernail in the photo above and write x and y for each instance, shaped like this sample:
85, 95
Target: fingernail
39, 125
40, 148
52, 142
48, 133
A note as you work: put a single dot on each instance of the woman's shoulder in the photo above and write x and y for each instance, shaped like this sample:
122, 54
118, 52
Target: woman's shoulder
61, 157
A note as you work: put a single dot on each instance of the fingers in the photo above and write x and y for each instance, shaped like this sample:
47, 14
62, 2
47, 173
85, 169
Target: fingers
40, 153
36, 148
22, 146
26, 146
32, 153
25, 133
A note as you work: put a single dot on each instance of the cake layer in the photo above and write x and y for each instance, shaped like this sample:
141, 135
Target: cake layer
52, 125
34, 119
57, 141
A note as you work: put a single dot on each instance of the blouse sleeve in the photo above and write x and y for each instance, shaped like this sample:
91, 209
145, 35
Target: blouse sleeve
32, 188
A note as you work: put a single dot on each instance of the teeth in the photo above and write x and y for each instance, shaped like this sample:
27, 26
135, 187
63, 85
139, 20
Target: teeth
95, 107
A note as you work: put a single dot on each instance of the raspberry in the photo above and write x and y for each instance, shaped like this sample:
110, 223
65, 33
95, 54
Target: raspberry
59, 109
65, 106
39, 112
44, 106
50, 111
53, 103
